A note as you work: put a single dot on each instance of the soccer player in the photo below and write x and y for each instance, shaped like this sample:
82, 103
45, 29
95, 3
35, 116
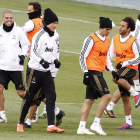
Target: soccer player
14, 48
31, 27
93, 61
40, 76
36, 102
109, 110
126, 50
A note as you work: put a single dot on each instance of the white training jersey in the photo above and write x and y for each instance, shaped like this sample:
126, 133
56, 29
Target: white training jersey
42, 48
12, 44
55, 54
136, 32
28, 26
111, 53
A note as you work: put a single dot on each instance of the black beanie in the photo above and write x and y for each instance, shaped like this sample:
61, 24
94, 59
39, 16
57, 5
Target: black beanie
49, 16
105, 22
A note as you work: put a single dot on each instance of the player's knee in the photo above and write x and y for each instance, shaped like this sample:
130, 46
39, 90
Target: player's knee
21, 93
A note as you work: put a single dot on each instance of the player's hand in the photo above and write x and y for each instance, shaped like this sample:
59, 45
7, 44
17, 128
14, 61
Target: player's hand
115, 75
119, 65
21, 57
57, 63
44, 64
86, 79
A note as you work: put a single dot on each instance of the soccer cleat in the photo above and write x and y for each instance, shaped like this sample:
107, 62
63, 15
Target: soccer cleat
3, 120
55, 129
26, 125
59, 117
42, 116
98, 129
137, 100
84, 131
126, 126
35, 118
109, 113
20, 128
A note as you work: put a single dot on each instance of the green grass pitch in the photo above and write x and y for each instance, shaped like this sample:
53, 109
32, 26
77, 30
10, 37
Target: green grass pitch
76, 21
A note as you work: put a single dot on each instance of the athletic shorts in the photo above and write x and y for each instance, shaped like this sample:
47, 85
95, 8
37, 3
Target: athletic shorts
17, 77
127, 74
97, 87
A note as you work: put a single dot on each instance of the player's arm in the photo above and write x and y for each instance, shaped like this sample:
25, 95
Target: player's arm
87, 46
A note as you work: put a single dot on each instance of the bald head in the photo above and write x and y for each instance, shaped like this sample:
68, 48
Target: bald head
7, 12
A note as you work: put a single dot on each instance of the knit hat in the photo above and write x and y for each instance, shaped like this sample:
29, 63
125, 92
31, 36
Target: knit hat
105, 22
49, 16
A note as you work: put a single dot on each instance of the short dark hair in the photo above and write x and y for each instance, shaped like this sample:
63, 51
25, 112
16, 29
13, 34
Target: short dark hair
36, 6
130, 23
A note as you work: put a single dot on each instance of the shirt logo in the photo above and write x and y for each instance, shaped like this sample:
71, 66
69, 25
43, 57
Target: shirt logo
103, 54
120, 55
14, 37
48, 49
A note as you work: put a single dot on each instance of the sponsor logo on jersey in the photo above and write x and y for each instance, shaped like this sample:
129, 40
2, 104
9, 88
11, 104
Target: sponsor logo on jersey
103, 54
120, 55
48, 49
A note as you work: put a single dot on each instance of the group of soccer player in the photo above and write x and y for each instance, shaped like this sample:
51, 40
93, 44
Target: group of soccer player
95, 57
42, 46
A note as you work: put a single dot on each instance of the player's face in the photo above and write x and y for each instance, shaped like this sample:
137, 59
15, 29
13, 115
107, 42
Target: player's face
30, 9
8, 19
106, 31
52, 26
123, 30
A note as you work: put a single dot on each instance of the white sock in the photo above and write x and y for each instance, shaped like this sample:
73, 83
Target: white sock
110, 106
97, 121
134, 93
50, 126
128, 120
2, 114
137, 84
44, 111
56, 110
28, 121
82, 124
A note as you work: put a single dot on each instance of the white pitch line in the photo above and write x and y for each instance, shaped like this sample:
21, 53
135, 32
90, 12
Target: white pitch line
61, 18
58, 17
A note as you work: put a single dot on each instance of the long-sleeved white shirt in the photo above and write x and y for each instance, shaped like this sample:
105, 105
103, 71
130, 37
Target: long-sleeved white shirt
135, 49
42, 48
136, 32
12, 44
28, 26
55, 54
87, 46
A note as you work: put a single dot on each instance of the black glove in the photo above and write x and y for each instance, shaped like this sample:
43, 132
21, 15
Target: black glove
86, 79
57, 63
21, 57
44, 63
119, 65
115, 75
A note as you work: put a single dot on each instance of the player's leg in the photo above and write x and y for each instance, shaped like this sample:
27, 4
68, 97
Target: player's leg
109, 109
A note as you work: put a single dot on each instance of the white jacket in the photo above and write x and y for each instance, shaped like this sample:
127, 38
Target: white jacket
55, 54
12, 44
42, 48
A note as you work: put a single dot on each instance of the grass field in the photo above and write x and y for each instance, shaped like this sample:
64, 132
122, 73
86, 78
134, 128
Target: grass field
76, 22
